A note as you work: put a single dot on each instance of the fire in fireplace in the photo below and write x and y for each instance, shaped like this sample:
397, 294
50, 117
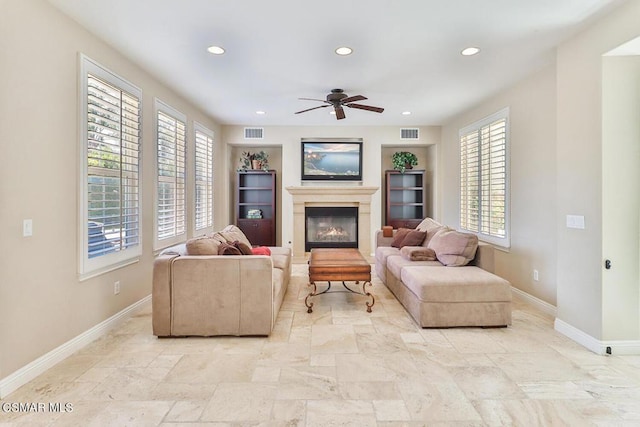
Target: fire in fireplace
331, 227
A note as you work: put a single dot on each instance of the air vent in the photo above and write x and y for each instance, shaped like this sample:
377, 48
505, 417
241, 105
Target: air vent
253, 133
410, 133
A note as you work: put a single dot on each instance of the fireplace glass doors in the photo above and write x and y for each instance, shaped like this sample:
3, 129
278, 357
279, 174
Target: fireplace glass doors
331, 227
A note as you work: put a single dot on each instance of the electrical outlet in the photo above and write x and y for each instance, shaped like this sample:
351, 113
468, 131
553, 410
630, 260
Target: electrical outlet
536, 277
116, 287
27, 228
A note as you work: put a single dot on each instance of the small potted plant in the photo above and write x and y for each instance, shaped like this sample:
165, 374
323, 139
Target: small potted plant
403, 160
254, 161
261, 160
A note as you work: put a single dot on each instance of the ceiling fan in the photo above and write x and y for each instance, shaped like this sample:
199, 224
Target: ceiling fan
338, 99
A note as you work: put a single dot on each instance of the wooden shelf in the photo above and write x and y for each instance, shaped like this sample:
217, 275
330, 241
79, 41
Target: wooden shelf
257, 190
405, 204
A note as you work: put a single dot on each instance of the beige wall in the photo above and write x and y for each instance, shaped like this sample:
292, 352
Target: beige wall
580, 170
621, 197
42, 302
289, 139
532, 126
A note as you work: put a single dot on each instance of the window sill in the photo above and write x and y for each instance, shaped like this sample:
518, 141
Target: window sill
91, 274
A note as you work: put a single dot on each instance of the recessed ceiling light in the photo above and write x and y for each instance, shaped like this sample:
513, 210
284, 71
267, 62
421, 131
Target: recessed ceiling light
260, 112
344, 51
470, 51
406, 113
216, 50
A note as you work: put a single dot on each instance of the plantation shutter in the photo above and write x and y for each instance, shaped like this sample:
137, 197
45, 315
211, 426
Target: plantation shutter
203, 180
171, 203
113, 155
483, 179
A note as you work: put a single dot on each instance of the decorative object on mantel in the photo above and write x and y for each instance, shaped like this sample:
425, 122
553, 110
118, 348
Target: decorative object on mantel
254, 161
403, 160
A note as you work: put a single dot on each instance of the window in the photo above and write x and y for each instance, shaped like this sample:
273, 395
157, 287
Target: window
171, 176
484, 179
203, 220
110, 156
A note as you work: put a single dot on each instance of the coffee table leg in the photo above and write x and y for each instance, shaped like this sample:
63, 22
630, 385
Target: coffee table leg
306, 300
369, 294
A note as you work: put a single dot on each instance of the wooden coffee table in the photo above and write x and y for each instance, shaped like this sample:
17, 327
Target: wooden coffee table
338, 265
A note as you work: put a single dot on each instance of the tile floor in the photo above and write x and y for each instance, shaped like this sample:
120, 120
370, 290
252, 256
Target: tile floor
339, 366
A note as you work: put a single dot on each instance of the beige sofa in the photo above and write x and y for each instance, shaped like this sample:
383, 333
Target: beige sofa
207, 294
465, 293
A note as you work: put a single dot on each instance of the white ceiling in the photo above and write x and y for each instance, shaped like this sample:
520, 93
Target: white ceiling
406, 52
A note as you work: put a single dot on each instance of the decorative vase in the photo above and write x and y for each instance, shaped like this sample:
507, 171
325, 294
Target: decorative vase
256, 164
408, 165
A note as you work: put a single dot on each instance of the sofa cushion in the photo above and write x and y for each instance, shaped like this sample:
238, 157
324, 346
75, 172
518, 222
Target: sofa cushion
228, 249
230, 234
413, 238
465, 284
454, 248
401, 233
418, 253
431, 227
383, 252
202, 245
396, 263
280, 261
179, 249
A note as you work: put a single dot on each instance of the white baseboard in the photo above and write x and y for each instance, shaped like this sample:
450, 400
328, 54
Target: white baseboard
535, 301
55, 356
617, 347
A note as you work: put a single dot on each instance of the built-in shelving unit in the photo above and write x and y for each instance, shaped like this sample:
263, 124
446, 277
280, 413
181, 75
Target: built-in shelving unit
405, 198
256, 206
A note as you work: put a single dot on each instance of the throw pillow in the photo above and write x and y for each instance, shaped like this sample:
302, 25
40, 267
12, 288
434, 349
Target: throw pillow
244, 249
202, 246
413, 238
232, 233
417, 253
454, 248
261, 250
401, 233
228, 249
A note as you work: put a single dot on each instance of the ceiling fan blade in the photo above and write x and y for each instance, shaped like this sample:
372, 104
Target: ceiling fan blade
366, 107
313, 99
353, 99
309, 109
339, 113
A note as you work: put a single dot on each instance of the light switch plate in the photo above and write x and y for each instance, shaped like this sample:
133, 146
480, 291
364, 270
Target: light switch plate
27, 228
575, 221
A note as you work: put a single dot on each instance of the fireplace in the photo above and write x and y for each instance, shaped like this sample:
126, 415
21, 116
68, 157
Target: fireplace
331, 227
307, 196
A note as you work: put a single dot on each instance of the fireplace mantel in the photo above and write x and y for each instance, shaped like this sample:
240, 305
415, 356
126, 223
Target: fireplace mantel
358, 196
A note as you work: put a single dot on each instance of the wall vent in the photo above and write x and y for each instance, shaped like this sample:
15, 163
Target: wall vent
253, 133
407, 133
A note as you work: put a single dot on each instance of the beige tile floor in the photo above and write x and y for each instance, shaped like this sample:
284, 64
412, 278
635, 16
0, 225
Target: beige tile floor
339, 366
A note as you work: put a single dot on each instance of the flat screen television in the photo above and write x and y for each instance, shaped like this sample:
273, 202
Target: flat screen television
331, 161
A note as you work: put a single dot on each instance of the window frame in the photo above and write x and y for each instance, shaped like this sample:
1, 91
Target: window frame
501, 242
199, 128
93, 266
166, 109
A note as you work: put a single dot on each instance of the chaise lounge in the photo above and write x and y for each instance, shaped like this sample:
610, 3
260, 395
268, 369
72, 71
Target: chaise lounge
446, 280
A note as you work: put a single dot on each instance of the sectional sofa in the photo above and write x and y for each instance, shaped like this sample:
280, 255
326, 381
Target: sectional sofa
446, 280
216, 285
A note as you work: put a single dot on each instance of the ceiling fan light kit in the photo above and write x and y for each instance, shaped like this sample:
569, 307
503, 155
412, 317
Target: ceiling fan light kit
338, 99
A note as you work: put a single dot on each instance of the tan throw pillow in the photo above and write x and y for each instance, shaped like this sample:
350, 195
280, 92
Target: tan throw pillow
231, 233
228, 249
244, 249
202, 246
417, 253
413, 238
454, 248
399, 237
